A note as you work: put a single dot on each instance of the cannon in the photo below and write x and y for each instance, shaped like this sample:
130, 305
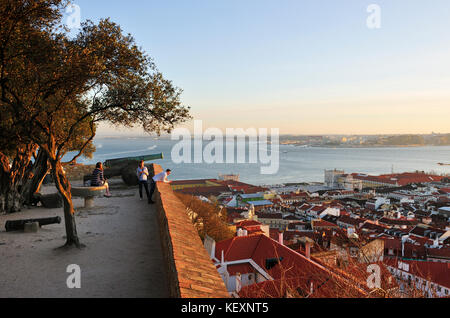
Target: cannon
124, 167
19, 225
111, 163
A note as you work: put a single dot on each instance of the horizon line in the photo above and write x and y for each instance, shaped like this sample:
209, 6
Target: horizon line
284, 134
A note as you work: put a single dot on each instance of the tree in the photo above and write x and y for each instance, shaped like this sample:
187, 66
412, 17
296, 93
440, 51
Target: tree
209, 219
64, 87
21, 21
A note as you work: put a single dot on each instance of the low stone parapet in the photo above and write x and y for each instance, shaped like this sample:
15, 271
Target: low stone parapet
190, 271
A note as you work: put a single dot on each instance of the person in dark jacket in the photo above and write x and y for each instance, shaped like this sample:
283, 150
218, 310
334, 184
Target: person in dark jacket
98, 179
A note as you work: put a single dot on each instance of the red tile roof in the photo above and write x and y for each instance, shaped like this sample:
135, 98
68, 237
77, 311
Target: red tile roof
291, 218
350, 221
319, 208
420, 240
273, 233
248, 223
322, 223
241, 186
204, 190
435, 272
369, 226
401, 179
443, 253
293, 266
420, 230
400, 222
197, 182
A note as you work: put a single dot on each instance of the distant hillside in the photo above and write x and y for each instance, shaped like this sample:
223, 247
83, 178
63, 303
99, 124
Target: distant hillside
403, 140
368, 140
441, 140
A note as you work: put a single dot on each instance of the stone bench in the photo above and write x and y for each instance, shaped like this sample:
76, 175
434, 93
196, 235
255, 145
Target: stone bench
88, 193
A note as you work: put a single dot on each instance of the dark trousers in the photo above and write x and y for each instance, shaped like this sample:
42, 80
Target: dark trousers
152, 188
145, 185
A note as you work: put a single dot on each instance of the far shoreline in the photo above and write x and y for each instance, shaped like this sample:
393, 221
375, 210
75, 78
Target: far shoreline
363, 146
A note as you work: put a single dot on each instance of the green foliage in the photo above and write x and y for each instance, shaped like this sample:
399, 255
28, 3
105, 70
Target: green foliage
55, 93
208, 219
55, 89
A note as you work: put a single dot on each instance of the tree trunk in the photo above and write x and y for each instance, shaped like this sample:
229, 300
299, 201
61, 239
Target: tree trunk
10, 198
64, 188
34, 177
11, 179
6, 202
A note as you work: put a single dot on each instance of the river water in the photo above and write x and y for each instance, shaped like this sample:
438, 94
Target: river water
296, 164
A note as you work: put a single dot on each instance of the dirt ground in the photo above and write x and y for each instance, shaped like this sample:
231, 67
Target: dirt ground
122, 257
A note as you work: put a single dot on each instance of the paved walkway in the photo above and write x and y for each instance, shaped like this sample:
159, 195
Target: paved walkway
123, 256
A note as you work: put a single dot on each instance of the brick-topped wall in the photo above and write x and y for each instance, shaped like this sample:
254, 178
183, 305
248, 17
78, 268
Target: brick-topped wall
190, 271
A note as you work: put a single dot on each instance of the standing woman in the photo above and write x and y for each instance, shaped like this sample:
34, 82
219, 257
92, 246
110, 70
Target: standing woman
98, 180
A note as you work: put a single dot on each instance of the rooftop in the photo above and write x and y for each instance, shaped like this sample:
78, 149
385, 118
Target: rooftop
291, 266
435, 272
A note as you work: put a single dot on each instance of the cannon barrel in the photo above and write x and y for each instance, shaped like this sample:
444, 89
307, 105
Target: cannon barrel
123, 161
19, 225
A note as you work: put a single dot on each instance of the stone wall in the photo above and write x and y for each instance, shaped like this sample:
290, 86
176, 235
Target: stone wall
190, 271
77, 172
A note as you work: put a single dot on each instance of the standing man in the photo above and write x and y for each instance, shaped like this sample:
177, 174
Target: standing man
160, 177
142, 174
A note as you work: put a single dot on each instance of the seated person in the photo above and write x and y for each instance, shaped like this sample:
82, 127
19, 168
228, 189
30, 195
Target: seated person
98, 180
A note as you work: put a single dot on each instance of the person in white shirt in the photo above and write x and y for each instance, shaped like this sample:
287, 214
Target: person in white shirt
142, 174
160, 177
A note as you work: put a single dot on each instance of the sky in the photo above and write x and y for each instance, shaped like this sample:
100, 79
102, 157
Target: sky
303, 66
